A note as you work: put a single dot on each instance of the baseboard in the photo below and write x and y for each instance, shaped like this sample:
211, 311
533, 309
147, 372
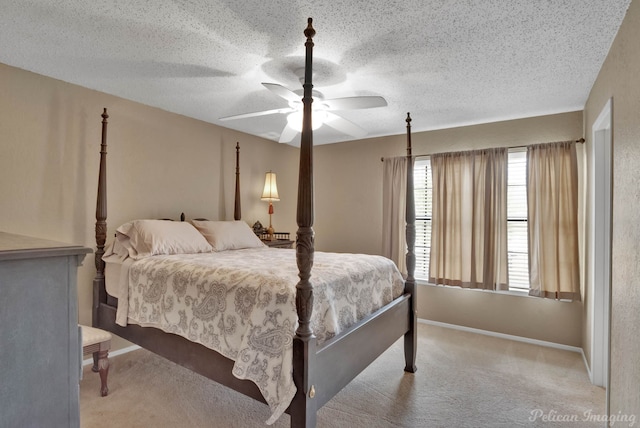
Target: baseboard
89, 361
506, 336
586, 365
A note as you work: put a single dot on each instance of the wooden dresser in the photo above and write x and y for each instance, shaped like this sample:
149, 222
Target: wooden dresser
40, 349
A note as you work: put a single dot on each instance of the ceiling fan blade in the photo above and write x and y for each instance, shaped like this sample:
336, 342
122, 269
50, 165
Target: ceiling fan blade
288, 134
355, 103
283, 92
345, 126
258, 113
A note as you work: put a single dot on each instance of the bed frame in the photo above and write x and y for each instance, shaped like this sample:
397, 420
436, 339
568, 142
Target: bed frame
319, 372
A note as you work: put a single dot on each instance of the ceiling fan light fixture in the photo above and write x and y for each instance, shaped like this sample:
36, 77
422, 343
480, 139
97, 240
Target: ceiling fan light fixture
295, 120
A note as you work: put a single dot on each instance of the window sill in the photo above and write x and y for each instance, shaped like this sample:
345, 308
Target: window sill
519, 293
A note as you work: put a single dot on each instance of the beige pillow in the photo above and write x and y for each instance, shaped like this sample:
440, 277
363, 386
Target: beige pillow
228, 235
144, 238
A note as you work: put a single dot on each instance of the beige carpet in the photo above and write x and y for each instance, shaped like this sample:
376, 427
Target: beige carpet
463, 380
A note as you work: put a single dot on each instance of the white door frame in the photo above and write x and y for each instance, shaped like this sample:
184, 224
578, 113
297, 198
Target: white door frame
601, 207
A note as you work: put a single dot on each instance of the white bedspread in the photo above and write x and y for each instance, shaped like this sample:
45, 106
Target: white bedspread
241, 303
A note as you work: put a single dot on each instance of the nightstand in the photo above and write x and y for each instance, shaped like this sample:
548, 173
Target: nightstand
279, 243
281, 240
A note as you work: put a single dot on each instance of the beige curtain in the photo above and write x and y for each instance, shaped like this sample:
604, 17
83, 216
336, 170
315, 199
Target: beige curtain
469, 226
394, 189
552, 197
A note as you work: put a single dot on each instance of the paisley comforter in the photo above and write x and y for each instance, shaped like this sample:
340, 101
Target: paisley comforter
241, 303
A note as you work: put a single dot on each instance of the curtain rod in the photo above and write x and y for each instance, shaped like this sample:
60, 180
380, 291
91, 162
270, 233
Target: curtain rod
580, 140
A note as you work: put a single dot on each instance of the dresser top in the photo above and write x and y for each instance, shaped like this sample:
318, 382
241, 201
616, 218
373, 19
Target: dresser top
20, 247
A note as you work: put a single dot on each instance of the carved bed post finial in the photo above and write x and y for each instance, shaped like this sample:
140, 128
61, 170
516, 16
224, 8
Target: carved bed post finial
309, 32
237, 211
305, 210
99, 293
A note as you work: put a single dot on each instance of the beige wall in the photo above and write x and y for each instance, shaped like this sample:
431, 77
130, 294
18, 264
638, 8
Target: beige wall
160, 164
618, 79
348, 179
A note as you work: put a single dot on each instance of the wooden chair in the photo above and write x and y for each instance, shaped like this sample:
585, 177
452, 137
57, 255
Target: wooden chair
98, 343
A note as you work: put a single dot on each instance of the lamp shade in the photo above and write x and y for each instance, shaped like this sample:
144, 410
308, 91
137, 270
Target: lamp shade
270, 192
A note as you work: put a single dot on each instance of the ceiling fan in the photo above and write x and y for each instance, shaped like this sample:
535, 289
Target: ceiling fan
322, 112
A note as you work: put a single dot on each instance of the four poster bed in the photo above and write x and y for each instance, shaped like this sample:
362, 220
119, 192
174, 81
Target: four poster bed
357, 315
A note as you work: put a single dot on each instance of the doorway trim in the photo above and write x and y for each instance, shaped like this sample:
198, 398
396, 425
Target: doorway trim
601, 208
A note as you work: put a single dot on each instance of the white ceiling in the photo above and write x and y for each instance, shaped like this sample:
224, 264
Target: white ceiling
448, 62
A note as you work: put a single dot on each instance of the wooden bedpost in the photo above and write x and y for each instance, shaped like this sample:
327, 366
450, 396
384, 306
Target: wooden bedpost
410, 338
99, 291
303, 407
237, 211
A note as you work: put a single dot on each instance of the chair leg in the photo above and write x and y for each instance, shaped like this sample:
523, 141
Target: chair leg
95, 362
101, 365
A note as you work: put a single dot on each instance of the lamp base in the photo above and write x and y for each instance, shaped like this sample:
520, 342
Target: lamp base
271, 232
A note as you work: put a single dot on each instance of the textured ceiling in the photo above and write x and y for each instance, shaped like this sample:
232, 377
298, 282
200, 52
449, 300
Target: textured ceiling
449, 63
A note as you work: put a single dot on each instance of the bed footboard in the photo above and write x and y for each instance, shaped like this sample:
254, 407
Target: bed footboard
341, 359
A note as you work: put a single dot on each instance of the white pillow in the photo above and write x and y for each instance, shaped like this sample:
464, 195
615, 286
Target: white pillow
228, 235
144, 238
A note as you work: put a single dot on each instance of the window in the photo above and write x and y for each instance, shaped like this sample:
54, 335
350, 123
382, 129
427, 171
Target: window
517, 245
517, 248
422, 191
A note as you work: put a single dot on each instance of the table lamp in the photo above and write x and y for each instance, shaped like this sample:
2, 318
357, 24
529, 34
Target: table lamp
270, 193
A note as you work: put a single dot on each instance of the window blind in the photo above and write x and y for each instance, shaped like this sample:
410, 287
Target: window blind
517, 248
422, 192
